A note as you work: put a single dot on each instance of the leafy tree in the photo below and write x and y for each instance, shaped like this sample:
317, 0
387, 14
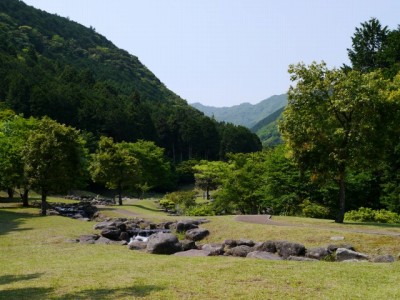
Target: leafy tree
335, 120
54, 158
115, 166
14, 133
155, 170
208, 175
367, 46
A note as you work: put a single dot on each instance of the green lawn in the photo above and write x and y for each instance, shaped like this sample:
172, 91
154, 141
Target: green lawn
37, 262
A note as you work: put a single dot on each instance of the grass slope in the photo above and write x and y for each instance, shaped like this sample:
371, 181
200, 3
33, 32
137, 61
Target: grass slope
38, 263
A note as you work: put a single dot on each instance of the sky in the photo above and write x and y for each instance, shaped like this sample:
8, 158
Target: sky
227, 52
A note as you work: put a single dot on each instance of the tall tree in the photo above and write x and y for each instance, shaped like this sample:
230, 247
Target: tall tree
367, 46
54, 158
335, 120
115, 166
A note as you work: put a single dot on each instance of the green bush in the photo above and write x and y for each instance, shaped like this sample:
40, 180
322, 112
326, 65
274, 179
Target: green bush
179, 201
200, 210
365, 214
313, 210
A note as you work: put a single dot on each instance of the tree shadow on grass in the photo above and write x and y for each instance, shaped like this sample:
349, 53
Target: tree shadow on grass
26, 293
11, 221
383, 225
136, 291
145, 208
6, 279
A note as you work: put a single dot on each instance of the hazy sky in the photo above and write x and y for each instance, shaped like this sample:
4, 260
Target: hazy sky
226, 52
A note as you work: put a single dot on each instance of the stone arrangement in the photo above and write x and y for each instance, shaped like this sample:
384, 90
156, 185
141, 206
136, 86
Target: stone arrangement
142, 235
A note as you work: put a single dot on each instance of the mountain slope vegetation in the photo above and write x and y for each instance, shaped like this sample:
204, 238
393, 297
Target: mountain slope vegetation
245, 114
53, 66
267, 129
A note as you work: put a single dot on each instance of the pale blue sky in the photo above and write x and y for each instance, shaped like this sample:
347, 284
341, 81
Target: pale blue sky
226, 52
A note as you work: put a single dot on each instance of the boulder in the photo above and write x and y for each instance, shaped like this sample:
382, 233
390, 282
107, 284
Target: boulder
267, 246
137, 245
343, 254
317, 253
188, 245
230, 243
244, 242
333, 248
88, 238
185, 225
163, 243
112, 234
124, 236
263, 255
286, 249
103, 225
192, 252
384, 259
301, 258
239, 251
196, 234
213, 249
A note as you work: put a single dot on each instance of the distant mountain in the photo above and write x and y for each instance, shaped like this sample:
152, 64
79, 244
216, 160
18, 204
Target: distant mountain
245, 114
267, 129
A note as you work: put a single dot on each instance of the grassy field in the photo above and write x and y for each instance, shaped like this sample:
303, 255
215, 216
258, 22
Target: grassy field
38, 262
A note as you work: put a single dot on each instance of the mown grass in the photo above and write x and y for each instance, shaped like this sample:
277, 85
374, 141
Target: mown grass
38, 262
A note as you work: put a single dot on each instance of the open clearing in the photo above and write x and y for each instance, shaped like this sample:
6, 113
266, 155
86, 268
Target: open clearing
38, 262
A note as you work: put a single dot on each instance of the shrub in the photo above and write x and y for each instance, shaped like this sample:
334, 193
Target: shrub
200, 210
365, 214
178, 200
314, 210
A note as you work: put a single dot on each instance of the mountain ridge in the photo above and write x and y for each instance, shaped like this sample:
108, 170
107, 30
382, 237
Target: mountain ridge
245, 114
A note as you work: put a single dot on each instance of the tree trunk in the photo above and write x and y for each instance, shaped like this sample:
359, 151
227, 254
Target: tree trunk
24, 198
342, 196
119, 195
44, 203
10, 193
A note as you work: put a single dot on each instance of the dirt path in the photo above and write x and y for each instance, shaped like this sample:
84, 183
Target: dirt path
267, 219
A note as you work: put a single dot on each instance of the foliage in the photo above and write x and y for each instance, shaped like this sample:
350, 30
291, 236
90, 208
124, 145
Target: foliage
201, 210
314, 210
208, 175
365, 214
335, 120
115, 166
54, 158
180, 201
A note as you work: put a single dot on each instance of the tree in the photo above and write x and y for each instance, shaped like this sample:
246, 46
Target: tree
208, 175
54, 158
367, 46
335, 120
155, 170
14, 133
115, 166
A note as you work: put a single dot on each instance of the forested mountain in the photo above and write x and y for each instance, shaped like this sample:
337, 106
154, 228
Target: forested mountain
267, 129
245, 114
50, 65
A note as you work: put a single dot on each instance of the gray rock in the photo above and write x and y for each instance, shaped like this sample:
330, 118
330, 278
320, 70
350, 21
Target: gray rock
213, 249
343, 254
163, 243
185, 225
112, 234
301, 258
337, 238
188, 245
317, 253
267, 246
124, 236
333, 248
88, 238
193, 252
384, 259
196, 234
137, 245
286, 249
263, 255
230, 243
244, 242
103, 225
104, 241
240, 251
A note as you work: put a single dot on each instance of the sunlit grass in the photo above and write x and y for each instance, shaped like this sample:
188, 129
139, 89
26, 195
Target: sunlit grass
38, 262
